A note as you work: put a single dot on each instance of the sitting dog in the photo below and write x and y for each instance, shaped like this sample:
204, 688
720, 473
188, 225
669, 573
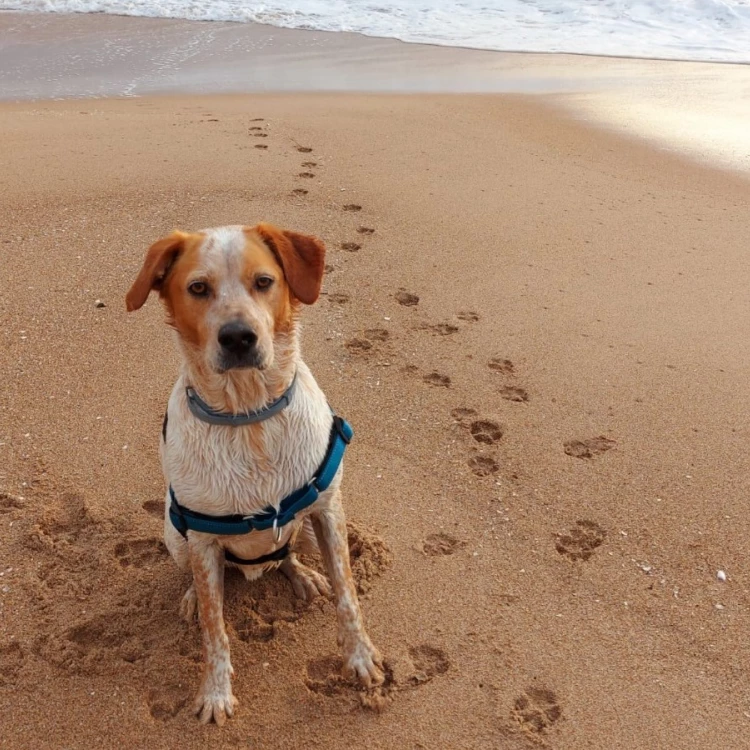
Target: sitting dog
251, 451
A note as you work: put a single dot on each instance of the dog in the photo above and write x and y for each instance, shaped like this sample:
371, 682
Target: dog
248, 436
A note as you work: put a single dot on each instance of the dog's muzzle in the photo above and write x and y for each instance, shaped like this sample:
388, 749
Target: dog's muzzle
239, 346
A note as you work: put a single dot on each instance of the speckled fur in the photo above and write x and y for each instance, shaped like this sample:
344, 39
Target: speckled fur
220, 470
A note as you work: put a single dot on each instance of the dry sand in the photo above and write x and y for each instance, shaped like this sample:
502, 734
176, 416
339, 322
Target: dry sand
550, 463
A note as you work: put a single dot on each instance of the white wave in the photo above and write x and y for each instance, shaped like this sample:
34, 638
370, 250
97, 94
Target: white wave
717, 30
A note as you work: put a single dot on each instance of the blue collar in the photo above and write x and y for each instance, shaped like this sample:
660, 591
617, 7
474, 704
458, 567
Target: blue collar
205, 413
184, 519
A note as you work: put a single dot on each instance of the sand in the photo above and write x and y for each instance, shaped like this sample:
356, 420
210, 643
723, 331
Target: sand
537, 329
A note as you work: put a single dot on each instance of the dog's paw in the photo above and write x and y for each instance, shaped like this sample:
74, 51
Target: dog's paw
307, 583
189, 605
363, 662
215, 700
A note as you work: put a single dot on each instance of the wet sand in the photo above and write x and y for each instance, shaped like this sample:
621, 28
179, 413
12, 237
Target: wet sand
549, 466
700, 109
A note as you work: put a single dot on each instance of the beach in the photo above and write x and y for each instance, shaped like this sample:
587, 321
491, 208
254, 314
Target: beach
537, 326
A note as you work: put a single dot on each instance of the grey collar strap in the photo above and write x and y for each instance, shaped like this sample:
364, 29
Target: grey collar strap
205, 413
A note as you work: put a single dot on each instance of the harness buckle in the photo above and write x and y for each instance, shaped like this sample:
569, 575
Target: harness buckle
276, 529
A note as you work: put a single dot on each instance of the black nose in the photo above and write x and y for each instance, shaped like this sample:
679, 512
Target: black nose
237, 338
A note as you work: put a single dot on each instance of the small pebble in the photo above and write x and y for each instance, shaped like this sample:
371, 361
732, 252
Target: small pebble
722, 576
718, 606
99, 304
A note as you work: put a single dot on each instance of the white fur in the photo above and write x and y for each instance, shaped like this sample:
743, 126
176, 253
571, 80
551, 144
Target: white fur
214, 470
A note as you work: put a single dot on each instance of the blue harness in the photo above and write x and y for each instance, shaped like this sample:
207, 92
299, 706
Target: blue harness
184, 519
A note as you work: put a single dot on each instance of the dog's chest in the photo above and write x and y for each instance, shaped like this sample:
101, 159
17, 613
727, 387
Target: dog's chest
222, 470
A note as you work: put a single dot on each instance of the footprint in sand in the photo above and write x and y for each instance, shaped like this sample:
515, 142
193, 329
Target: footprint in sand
252, 626
365, 230
483, 466
351, 207
536, 709
460, 413
486, 431
261, 146
441, 544
100, 645
366, 343
338, 298
429, 662
12, 659
377, 334
588, 448
299, 192
261, 135
581, 541
351, 247
304, 149
483, 431
514, 393
499, 364
508, 392
324, 677
359, 346
407, 299
369, 556
309, 164
257, 119
442, 329
435, 378
329, 268
154, 508
468, 316
167, 702
306, 175
140, 553
255, 128
9, 503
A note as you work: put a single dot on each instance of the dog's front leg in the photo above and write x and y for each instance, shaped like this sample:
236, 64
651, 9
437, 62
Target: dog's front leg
215, 699
361, 658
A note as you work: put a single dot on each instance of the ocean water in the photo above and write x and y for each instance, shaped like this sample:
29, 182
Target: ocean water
708, 30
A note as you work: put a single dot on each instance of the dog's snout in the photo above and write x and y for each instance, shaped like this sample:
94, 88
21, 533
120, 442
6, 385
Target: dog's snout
237, 338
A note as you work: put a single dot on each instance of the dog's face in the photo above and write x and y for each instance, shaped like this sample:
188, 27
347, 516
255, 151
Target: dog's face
230, 291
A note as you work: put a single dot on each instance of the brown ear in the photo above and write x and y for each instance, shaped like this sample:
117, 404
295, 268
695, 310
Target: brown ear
159, 258
302, 258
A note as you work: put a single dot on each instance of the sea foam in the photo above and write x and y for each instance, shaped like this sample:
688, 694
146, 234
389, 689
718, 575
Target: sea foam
708, 30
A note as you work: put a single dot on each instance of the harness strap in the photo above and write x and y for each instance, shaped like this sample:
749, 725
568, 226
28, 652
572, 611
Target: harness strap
274, 556
184, 519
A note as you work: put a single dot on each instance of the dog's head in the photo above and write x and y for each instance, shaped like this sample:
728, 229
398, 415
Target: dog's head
229, 292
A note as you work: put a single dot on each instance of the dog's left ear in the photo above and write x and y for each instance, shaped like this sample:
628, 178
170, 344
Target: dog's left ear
302, 257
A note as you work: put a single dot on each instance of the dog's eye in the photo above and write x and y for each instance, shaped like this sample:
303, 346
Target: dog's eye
199, 289
263, 282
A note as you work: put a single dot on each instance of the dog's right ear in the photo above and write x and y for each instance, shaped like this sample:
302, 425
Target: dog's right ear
159, 259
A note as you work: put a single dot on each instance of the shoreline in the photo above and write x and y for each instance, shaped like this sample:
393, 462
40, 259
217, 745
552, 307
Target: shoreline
695, 108
467, 48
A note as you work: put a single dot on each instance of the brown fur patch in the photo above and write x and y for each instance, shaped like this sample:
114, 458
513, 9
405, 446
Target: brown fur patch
301, 256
